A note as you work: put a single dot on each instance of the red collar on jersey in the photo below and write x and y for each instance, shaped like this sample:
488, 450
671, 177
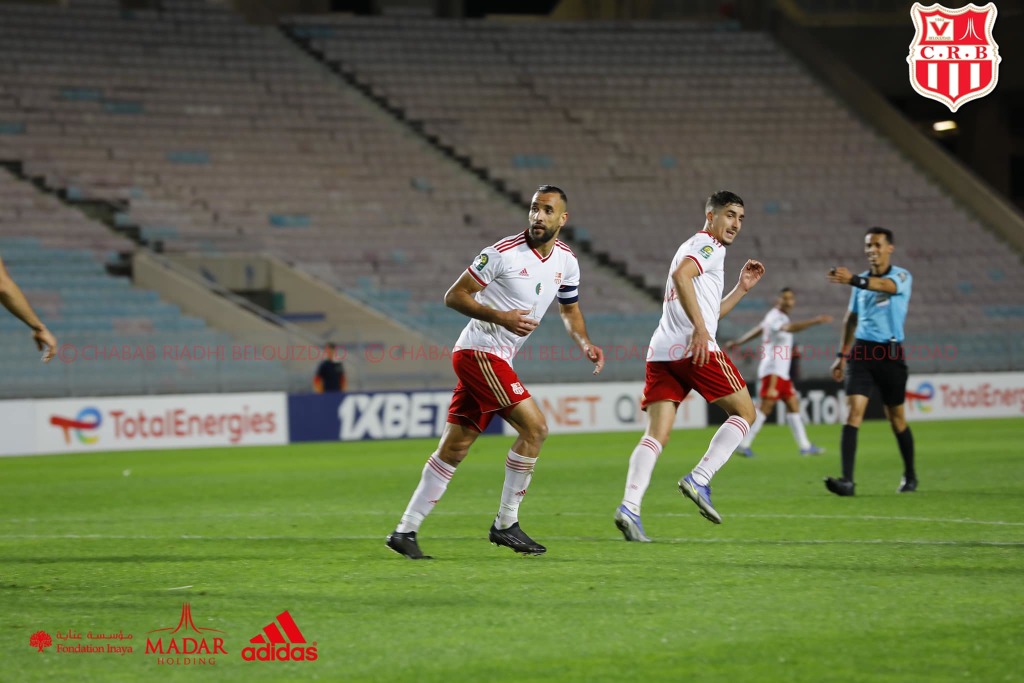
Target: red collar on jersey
713, 238
542, 258
526, 234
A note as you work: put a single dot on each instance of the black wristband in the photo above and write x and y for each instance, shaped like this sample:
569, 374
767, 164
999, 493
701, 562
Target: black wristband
859, 281
843, 356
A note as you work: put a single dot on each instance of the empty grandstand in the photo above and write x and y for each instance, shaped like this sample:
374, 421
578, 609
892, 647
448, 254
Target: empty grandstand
642, 117
384, 153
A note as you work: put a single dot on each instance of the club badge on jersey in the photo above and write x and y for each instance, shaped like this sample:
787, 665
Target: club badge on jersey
953, 58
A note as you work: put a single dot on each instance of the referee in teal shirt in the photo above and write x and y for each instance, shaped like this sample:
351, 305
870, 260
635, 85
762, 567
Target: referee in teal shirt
872, 353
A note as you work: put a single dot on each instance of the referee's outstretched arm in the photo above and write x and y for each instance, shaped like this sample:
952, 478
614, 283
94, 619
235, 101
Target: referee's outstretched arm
843, 276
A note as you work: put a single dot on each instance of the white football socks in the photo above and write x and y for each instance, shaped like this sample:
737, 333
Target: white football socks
433, 482
518, 472
723, 443
641, 466
759, 421
796, 425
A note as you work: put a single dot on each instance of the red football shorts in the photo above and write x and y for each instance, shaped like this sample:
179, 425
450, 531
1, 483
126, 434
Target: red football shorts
487, 385
672, 380
775, 388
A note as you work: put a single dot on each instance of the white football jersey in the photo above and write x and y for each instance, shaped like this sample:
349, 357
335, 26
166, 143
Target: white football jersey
776, 345
514, 276
675, 329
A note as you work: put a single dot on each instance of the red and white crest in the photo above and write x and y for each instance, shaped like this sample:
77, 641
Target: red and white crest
953, 57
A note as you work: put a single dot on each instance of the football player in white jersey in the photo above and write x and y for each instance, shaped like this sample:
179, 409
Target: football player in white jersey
505, 293
773, 372
684, 357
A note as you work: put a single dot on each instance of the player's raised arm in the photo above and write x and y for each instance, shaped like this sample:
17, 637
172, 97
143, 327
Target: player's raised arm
750, 275
750, 334
13, 299
804, 324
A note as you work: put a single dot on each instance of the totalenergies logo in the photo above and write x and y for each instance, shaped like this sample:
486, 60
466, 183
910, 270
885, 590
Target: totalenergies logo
921, 399
88, 420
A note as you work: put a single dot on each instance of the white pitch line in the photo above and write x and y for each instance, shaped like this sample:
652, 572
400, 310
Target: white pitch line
866, 518
871, 518
379, 537
453, 513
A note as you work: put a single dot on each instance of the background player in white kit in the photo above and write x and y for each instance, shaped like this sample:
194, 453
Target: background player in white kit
505, 291
773, 372
684, 356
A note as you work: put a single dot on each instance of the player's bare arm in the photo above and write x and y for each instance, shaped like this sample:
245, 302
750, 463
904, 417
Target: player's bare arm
750, 334
572, 318
459, 297
750, 275
682, 280
13, 299
842, 276
845, 342
804, 324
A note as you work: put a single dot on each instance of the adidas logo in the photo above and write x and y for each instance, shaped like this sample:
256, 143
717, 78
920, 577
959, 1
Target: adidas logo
277, 647
524, 273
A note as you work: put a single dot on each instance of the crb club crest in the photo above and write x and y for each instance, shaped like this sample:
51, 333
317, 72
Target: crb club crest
953, 57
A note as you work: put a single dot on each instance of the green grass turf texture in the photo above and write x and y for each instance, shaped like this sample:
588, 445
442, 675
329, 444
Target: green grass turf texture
795, 585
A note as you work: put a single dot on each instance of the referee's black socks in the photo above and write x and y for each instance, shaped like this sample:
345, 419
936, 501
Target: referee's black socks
906, 441
849, 450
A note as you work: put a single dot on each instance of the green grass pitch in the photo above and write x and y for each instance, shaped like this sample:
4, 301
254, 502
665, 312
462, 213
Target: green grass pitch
795, 585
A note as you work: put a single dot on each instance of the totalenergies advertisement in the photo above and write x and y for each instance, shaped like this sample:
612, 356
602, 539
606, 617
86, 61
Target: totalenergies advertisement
201, 420
129, 423
968, 395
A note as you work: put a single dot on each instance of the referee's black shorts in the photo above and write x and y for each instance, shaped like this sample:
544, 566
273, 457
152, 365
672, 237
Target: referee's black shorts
874, 364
